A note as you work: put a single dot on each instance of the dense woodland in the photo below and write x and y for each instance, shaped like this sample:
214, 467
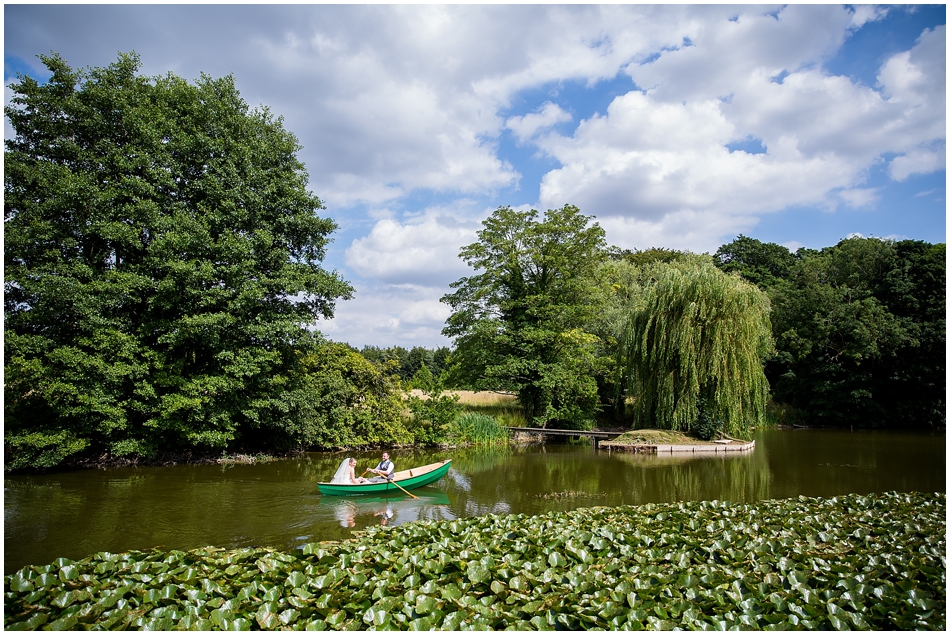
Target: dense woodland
163, 277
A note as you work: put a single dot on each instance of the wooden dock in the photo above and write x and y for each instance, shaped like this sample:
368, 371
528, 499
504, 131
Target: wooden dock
599, 435
596, 435
706, 448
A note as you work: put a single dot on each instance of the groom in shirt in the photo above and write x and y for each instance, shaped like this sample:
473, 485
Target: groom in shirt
384, 469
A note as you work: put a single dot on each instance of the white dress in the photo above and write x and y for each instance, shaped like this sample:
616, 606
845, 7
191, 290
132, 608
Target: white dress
342, 475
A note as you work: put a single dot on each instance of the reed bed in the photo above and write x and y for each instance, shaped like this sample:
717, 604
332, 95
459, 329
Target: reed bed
479, 429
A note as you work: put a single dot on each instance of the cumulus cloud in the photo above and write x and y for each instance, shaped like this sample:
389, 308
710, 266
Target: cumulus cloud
419, 251
527, 126
384, 315
7, 96
919, 161
687, 230
407, 264
725, 55
859, 197
661, 155
864, 13
647, 160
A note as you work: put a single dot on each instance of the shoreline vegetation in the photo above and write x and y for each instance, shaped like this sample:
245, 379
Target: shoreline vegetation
498, 405
847, 562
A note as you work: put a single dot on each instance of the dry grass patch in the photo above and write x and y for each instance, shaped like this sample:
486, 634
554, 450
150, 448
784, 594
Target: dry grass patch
485, 398
472, 398
501, 405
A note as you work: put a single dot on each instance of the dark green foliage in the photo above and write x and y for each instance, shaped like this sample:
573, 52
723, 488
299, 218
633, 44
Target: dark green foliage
411, 361
706, 427
342, 400
860, 328
162, 260
423, 379
872, 562
519, 323
644, 257
762, 264
433, 417
861, 333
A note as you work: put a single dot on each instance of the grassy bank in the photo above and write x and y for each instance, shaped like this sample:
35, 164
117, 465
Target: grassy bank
866, 562
658, 437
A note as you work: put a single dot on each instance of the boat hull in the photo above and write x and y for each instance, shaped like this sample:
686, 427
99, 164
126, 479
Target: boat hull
407, 482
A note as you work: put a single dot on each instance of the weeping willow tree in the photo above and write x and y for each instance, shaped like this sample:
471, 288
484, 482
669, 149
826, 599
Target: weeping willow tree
694, 344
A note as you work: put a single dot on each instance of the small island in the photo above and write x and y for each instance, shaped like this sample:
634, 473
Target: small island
674, 442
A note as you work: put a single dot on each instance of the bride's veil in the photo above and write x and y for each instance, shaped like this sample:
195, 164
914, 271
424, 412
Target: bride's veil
341, 473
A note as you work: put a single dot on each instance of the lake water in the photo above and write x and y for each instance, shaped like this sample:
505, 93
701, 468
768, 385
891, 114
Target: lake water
75, 514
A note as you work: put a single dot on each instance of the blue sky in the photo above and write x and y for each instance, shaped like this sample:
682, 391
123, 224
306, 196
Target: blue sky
676, 126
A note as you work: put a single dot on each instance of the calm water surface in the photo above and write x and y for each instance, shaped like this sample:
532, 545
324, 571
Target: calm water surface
76, 514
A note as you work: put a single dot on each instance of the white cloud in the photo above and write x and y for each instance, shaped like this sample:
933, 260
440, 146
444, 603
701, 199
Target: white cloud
726, 55
421, 251
646, 160
527, 126
920, 161
860, 197
864, 13
407, 97
8, 131
659, 156
686, 230
386, 315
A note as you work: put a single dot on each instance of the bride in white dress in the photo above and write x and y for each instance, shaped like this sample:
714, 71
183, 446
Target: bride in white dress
346, 473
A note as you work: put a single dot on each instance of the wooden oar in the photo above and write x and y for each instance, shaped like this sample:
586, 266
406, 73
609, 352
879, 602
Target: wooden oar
403, 489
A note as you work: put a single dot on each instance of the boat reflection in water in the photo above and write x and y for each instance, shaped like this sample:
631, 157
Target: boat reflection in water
394, 509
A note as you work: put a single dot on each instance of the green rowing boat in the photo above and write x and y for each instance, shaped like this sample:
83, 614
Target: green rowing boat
407, 479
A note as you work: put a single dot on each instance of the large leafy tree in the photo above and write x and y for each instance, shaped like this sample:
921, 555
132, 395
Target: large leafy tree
861, 334
519, 323
162, 259
762, 264
694, 343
